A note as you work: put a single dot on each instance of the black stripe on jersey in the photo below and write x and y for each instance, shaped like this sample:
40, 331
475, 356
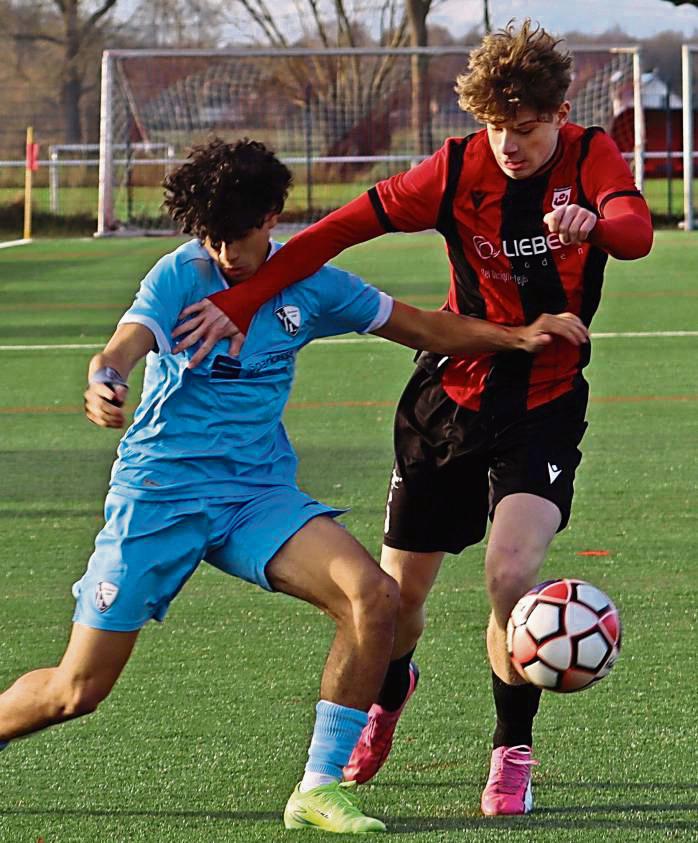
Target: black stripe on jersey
592, 278
539, 285
383, 218
591, 285
468, 295
616, 195
587, 138
596, 258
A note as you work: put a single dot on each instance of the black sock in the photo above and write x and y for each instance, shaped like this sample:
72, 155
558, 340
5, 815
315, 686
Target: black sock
516, 707
396, 683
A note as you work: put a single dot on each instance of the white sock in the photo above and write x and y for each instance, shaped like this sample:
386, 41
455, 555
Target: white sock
311, 780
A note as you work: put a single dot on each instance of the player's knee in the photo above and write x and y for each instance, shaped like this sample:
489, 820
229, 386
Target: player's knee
506, 583
412, 599
375, 599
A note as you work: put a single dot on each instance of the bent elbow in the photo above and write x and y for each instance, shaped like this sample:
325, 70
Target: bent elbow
639, 248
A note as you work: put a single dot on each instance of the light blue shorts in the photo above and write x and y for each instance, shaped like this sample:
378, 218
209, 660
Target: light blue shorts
147, 550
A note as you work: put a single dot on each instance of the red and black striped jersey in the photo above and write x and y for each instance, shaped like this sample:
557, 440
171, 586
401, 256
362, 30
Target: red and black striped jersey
505, 265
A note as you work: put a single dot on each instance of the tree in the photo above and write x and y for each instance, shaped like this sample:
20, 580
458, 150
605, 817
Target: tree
486, 16
362, 82
417, 11
80, 22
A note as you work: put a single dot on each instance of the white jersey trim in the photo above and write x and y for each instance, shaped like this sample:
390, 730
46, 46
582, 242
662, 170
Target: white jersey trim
385, 310
163, 341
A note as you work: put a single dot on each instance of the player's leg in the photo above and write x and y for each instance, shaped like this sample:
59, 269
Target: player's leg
532, 488
415, 574
86, 674
283, 540
323, 565
522, 529
143, 556
437, 502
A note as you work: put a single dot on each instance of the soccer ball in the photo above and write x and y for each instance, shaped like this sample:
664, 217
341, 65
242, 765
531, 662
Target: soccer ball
564, 635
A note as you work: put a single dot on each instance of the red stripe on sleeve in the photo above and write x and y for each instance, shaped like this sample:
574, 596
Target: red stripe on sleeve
304, 254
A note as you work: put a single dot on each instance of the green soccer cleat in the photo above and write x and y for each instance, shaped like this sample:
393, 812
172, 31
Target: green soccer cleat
330, 807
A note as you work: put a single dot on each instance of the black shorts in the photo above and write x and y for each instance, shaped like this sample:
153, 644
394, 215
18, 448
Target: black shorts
453, 465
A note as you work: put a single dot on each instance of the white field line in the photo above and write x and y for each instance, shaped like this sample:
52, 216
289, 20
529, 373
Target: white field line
353, 340
9, 243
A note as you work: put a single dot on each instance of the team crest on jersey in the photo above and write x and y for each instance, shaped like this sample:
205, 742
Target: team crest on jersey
105, 595
561, 196
290, 317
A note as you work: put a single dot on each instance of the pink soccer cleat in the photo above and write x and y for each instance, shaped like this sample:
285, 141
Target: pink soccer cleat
508, 789
373, 747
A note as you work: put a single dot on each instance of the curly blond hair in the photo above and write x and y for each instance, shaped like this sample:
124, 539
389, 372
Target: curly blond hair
515, 68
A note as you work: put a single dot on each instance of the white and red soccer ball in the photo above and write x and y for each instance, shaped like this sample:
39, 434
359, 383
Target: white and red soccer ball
564, 635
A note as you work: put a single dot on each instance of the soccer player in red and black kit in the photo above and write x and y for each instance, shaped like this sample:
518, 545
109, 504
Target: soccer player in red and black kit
530, 208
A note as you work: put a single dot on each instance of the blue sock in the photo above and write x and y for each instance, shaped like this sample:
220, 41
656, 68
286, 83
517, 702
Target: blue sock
337, 729
3, 744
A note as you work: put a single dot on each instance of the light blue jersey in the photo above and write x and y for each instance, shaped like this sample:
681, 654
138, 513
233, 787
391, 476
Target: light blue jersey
216, 431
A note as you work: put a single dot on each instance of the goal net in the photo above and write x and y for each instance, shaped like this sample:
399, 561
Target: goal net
340, 119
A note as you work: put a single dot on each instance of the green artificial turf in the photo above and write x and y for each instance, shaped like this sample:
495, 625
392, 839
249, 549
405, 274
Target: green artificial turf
206, 732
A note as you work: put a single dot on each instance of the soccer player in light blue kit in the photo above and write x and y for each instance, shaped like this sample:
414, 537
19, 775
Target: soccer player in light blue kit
206, 471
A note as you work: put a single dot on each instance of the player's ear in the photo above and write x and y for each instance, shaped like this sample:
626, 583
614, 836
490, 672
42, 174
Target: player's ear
563, 114
270, 221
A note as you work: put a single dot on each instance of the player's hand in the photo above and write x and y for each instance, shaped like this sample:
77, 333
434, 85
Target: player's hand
207, 323
104, 404
572, 224
536, 336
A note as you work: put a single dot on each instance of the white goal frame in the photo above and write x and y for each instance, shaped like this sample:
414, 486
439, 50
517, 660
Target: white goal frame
105, 211
687, 53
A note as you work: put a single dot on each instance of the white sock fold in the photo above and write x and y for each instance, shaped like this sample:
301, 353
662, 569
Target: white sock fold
311, 780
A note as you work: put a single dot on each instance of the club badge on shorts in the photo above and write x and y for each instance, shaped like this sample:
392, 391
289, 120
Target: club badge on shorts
105, 595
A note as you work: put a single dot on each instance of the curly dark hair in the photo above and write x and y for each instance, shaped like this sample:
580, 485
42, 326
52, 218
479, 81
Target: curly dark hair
223, 190
514, 68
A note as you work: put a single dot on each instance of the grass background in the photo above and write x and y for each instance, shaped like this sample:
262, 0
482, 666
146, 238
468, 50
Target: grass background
207, 730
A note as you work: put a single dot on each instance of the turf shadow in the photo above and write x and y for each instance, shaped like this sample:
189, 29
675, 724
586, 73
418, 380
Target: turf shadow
94, 331
54, 476
543, 820
110, 813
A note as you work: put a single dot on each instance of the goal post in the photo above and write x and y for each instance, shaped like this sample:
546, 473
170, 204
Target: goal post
341, 119
689, 53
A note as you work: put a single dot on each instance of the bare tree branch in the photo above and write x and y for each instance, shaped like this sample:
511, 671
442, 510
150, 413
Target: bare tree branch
95, 16
322, 31
20, 36
344, 24
265, 20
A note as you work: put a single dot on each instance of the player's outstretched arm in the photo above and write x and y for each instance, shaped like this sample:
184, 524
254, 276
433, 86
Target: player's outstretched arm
453, 335
228, 313
109, 370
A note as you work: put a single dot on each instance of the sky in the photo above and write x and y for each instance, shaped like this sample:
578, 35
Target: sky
641, 18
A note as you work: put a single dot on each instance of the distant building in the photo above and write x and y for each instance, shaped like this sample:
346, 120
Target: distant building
663, 122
